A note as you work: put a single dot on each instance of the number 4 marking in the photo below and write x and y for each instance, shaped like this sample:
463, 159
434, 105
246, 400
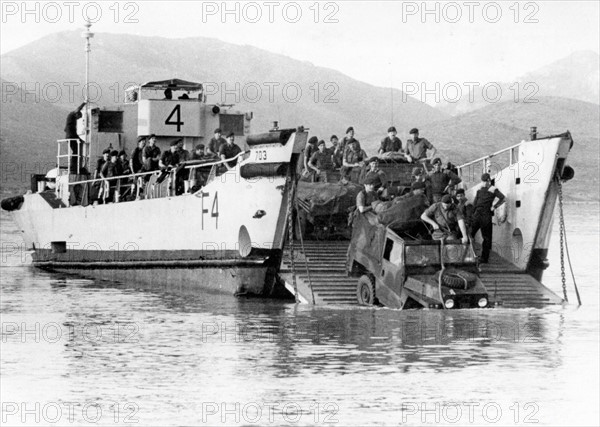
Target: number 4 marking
215, 210
178, 123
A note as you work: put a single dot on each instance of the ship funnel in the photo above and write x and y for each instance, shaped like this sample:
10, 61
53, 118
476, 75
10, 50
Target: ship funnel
533, 133
275, 125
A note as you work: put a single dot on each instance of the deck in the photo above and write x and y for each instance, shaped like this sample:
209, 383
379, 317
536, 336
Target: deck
321, 278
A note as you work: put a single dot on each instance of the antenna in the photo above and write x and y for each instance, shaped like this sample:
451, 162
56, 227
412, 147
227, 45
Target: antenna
87, 34
391, 94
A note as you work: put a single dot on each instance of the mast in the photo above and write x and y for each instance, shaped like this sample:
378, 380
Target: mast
87, 34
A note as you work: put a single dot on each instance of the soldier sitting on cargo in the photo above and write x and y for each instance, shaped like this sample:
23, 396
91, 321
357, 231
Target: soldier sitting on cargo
442, 182
444, 216
391, 143
320, 162
348, 140
380, 176
310, 149
416, 148
354, 157
337, 155
366, 197
229, 151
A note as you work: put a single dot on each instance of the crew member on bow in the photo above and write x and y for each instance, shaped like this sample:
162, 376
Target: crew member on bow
483, 211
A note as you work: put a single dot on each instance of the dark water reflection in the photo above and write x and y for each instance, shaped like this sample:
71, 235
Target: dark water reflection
170, 359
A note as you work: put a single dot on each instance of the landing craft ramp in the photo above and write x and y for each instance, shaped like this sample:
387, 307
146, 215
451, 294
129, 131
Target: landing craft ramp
327, 283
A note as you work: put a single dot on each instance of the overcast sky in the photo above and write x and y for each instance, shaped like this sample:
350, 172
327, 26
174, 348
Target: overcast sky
382, 43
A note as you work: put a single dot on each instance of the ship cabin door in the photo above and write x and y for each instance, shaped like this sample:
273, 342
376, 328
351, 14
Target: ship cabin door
392, 274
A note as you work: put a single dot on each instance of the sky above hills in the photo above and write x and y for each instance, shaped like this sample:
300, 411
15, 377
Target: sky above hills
399, 44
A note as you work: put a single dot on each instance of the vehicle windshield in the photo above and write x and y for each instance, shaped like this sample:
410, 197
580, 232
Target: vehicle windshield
421, 255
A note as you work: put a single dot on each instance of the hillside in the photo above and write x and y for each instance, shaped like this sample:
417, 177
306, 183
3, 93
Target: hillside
28, 129
576, 76
327, 103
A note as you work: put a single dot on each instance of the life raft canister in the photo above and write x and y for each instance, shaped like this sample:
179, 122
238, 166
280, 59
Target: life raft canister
12, 203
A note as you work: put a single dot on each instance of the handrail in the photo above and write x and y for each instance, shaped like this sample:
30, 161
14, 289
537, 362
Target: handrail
489, 156
139, 174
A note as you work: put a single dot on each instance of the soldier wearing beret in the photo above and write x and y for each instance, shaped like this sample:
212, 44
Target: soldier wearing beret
321, 162
391, 143
215, 143
347, 140
483, 211
366, 197
229, 150
416, 147
441, 182
444, 216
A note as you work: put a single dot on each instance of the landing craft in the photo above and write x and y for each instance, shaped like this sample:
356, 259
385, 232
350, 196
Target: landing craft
227, 235
371, 263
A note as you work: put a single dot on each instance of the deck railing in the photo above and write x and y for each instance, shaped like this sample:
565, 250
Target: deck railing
137, 181
506, 157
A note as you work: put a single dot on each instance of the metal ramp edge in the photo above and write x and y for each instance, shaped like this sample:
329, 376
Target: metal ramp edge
329, 283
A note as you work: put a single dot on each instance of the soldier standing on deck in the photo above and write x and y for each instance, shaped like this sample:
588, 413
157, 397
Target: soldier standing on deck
483, 211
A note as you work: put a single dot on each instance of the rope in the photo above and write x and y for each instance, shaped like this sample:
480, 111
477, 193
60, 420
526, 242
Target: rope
564, 247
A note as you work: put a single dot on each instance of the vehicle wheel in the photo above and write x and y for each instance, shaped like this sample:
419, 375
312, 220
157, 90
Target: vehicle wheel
457, 279
365, 291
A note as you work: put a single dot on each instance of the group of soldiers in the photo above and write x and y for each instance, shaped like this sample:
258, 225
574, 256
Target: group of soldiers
348, 154
448, 211
147, 158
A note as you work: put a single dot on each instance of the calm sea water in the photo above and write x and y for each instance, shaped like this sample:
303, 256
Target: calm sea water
82, 352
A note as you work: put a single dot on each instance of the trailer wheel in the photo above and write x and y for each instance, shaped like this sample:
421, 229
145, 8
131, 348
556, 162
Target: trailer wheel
365, 291
457, 279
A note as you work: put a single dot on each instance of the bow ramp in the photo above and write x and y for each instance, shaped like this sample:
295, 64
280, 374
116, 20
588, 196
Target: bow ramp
322, 279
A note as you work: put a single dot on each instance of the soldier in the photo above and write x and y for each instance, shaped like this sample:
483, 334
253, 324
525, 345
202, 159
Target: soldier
169, 159
483, 210
215, 143
136, 163
151, 155
200, 175
337, 154
74, 141
465, 208
442, 182
354, 157
348, 139
321, 163
391, 143
381, 180
229, 151
416, 148
366, 197
311, 148
444, 216
111, 169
